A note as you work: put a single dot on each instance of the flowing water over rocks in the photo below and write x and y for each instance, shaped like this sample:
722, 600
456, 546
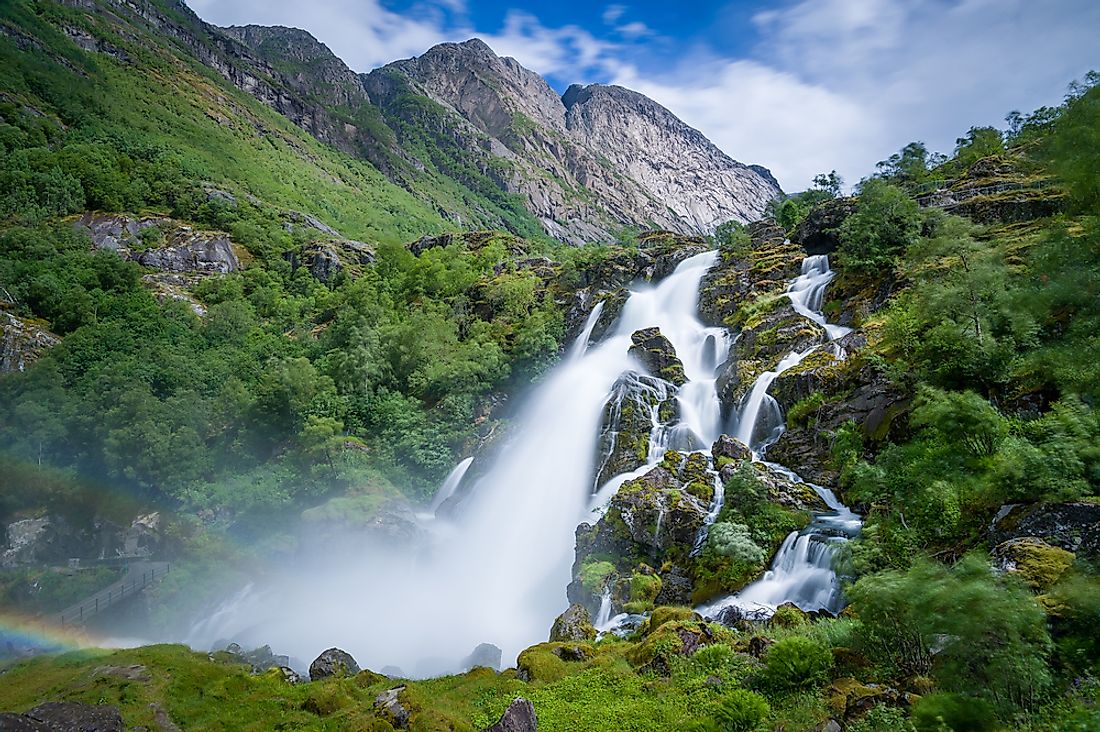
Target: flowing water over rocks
496, 563
802, 570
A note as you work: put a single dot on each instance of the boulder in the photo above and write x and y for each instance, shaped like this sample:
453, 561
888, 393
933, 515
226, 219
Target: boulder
727, 448
1038, 563
333, 663
575, 624
486, 655
1074, 527
656, 353
12, 722
391, 708
325, 259
22, 342
850, 699
518, 717
76, 717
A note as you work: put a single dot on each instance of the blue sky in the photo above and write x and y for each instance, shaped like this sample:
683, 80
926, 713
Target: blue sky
800, 86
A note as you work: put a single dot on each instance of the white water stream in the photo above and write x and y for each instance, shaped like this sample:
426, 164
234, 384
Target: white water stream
802, 570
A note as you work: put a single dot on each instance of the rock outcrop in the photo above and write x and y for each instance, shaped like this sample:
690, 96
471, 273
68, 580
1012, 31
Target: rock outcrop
65, 716
656, 353
1074, 527
518, 717
22, 342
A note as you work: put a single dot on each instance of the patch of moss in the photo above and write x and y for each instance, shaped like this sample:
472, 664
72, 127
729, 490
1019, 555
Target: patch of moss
594, 575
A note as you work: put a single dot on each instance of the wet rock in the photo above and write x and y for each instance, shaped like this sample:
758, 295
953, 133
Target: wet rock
727, 448
636, 401
1074, 527
22, 342
486, 655
518, 717
658, 356
759, 645
676, 587
1038, 563
77, 717
333, 662
575, 624
819, 232
389, 706
742, 278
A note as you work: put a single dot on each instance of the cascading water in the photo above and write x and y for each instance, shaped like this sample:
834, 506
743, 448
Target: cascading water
802, 570
450, 485
496, 571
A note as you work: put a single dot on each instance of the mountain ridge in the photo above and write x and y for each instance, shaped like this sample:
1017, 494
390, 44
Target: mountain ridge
480, 138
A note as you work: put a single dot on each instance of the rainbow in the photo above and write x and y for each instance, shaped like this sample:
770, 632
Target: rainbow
21, 632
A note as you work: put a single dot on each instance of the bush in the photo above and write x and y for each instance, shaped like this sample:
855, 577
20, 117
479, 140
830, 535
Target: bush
886, 223
741, 711
953, 713
989, 635
734, 541
797, 663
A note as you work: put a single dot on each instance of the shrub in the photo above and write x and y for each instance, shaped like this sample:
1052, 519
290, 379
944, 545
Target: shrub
734, 541
797, 663
741, 711
953, 712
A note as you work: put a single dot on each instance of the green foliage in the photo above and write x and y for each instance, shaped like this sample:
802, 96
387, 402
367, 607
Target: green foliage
953, 713
796, 662
732, 236
910, 166
987, 637
886, 222
734, 541
741, 710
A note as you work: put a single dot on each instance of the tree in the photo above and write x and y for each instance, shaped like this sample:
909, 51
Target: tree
886, 223
830, 183
910, 165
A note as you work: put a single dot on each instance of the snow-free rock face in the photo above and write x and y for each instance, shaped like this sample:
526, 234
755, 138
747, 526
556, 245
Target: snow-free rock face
22, 342
702, 185
589, 163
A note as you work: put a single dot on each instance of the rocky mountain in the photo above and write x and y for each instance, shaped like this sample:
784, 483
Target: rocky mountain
477, 137
597, 159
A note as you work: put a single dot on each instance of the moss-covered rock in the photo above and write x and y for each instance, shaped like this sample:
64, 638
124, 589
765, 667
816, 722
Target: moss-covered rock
657, 354
1038, 563
575, 624
673, 638
547, 662
636, 399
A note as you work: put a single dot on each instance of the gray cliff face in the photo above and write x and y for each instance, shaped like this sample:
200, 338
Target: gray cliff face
592, 162
670, 160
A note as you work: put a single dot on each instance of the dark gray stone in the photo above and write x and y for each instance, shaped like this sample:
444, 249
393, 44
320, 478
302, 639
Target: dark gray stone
333, 662
518, 717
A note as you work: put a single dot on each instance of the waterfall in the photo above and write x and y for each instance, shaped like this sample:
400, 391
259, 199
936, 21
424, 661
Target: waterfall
450, 485
495, 571
603, 617
802, 570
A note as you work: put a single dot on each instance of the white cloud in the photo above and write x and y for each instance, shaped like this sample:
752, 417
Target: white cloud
634, 30
757, 114
612, 13
361, 32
